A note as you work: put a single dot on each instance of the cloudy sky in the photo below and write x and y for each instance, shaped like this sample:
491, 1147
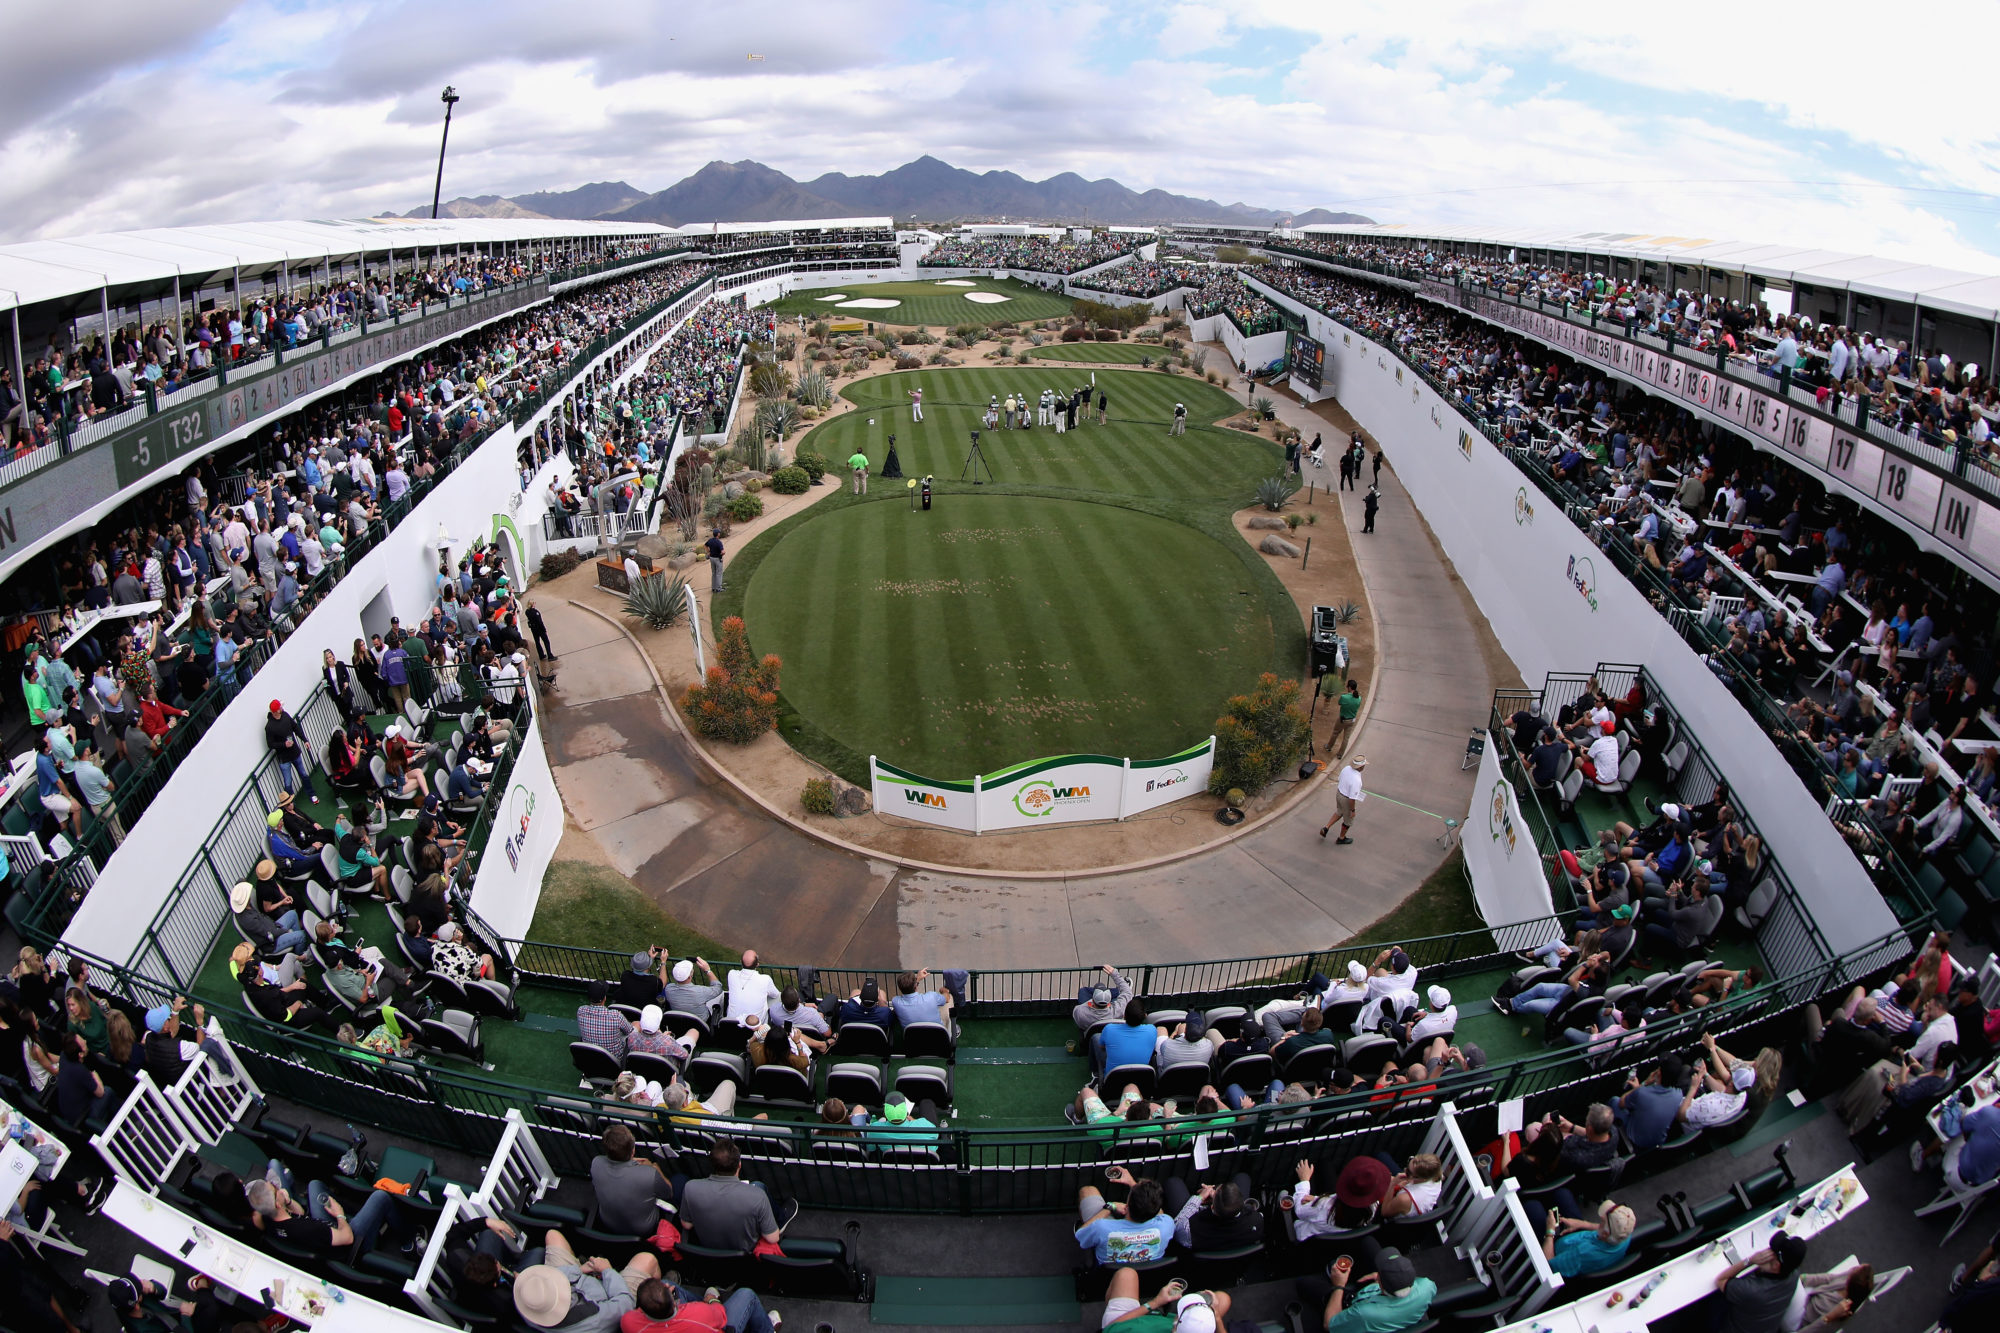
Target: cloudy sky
1754, 122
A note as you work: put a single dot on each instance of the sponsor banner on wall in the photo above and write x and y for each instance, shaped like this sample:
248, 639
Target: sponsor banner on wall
1041, 793
1922, 498
896, 791
1508, 883
527, 824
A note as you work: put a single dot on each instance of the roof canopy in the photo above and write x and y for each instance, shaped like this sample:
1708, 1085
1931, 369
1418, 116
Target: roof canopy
1976, 295
147, 262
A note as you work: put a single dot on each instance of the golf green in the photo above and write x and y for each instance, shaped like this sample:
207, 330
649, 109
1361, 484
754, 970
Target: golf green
928, 302
1095, 353
998, 628
1092, 596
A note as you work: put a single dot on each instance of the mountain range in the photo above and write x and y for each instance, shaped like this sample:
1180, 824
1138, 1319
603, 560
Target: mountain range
925, 190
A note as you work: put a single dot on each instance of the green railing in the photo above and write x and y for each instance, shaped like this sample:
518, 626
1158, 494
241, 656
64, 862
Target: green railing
971, 1170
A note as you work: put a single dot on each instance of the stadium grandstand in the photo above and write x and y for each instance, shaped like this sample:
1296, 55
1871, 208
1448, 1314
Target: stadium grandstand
291, 761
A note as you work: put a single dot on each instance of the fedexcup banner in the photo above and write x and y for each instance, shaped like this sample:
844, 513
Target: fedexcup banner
1041, 793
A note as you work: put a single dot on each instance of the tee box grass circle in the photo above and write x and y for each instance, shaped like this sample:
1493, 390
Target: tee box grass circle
927, 302
1093, 598
997, 628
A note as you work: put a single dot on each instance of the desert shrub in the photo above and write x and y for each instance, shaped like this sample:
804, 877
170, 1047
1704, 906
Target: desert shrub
939, 359
820, 329
1259, 736
746, 507
558, 563
659, 600
739, 699
909, 338
814, 390
1274, 493
1107, 335
908, 362
1023, 359
816, 797
790, 481
753, 484
812, 463
1073, 333
1037, 339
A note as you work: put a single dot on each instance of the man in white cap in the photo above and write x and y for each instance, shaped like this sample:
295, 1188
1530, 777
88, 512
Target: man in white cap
581, 1297
685, 995
650, 1038
506, 683
1347, 798
1281, 1014
1180, 420
1436, 1019
1193, 1311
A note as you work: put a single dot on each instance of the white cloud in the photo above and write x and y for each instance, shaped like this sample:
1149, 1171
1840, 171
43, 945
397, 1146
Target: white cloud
1424, 114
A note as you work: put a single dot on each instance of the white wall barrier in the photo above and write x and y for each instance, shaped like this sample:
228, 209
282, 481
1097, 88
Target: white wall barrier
1555, 601
1066, 789
396, 577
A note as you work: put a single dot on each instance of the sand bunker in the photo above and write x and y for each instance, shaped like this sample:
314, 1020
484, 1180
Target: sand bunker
837, 296
955, 282
987, 298
870, 303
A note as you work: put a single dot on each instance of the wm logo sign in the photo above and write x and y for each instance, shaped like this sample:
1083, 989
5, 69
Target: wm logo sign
929, 798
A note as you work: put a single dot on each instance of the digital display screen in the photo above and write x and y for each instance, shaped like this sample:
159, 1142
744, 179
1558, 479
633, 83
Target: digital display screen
1308, 359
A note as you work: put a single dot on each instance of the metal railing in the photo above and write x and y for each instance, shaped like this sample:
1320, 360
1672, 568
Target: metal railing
1900, 886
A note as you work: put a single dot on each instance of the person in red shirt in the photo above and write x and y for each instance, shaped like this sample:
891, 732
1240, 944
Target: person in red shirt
667, 1308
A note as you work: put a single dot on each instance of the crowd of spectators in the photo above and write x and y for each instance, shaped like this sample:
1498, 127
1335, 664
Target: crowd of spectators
235, 566
1038, 254
1919, 391
1224, 293
1691, 501
1141, 277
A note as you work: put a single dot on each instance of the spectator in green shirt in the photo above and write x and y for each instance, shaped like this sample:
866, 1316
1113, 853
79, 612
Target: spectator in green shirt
1387, 1300
1350, 708
858, 464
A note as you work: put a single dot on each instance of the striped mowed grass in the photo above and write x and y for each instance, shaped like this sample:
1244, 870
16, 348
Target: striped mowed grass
925, 302
1093, 599
1096, 353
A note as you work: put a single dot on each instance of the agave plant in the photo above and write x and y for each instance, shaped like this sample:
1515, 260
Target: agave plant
657, 599
777, 416
1262, 406
815, 390
1346, 613
1274, 493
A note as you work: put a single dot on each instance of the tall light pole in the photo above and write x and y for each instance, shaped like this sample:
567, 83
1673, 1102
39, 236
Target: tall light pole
450, 98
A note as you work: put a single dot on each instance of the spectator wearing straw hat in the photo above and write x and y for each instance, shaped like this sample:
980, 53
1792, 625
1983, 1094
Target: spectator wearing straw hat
581, 1296
1347, 798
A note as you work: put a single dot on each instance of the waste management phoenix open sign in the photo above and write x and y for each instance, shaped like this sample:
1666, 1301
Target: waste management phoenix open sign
1066, 789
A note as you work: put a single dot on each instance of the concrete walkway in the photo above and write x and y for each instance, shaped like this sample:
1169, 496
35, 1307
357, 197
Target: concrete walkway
716, 861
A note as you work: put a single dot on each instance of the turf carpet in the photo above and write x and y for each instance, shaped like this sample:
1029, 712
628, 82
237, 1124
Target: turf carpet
975, 1301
